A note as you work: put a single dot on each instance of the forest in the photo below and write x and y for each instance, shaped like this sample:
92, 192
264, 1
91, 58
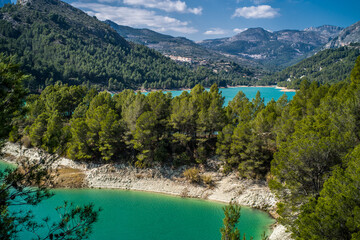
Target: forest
326, 66
307, 148
55, 42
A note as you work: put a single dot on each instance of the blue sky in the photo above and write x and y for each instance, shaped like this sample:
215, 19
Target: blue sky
207, 19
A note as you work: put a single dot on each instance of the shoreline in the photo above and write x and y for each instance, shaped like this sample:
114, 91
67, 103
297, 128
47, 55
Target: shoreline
163, 180
282, 89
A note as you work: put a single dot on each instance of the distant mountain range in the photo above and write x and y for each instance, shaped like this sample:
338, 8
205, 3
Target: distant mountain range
333, 64
253, 47
165, 44
326, 31
180, 49
274, 49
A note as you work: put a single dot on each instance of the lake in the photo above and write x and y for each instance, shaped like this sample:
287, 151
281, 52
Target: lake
229, 93
134, 215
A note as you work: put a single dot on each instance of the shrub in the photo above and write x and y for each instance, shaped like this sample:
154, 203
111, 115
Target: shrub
192, 175
25, 141
207, 179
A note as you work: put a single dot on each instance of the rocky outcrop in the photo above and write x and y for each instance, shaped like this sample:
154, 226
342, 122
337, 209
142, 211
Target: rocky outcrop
326, 31
225, 188
347, 36
280, 233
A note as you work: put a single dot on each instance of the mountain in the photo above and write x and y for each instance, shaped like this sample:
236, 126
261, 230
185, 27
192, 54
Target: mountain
273, 49
326, 31
347, 36
180, 49
56, 42
166, 44
327, 66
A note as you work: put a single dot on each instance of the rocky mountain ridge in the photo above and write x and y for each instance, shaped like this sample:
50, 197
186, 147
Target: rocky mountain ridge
252, 47
273, 49
347, 36
175, 47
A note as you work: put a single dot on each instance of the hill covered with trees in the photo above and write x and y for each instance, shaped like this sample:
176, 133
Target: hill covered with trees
54, 41
327, 66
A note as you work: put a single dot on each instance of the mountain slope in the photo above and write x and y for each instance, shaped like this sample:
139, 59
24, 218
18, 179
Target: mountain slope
326, 31
348, 35
273, 49
166, 44
57, 42
327, 66
181, 49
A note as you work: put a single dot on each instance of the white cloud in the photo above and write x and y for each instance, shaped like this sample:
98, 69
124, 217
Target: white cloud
215, 31
262, 11
239, 30
166, 5
135, 17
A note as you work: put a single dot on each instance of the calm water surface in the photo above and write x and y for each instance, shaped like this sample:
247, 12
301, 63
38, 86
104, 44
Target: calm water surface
229, 93
134, 215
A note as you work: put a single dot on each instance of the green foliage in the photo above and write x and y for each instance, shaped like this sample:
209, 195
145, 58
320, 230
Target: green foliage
143, 129
57, 43
335, 213
327, 66
53, 134
232, 214
11, 94
229, 231
145, 137
27, 184
38, 129
79, 148
320, 128
248, 143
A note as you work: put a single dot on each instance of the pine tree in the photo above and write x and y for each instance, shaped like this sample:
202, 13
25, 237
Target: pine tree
229, 231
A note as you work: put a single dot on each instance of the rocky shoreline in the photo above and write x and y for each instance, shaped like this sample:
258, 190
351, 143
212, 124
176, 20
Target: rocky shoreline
166, 180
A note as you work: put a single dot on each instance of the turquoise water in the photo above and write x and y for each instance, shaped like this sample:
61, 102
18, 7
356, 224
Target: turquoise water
229, 93
134, 215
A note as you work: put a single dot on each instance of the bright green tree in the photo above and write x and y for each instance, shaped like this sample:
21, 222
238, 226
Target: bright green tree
145, 138
229, 231
52, 136
335, 214
11, 94
27, 184
38, 129
79, 148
